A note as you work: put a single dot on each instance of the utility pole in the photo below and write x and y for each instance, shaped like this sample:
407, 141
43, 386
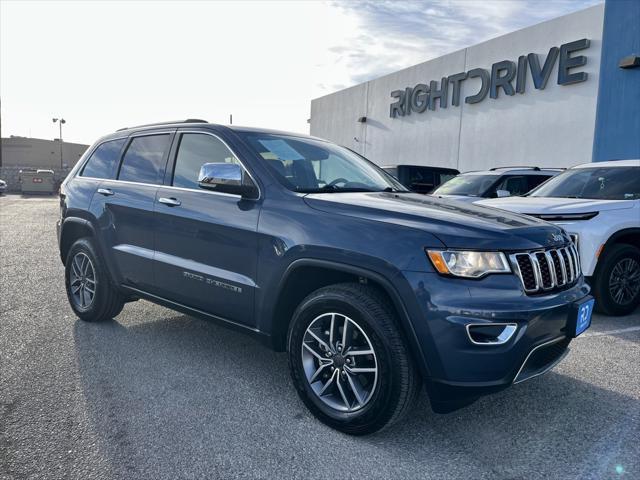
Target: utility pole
60, 122
231, 119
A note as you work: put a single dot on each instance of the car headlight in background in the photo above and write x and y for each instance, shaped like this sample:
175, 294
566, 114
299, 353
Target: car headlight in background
468, 264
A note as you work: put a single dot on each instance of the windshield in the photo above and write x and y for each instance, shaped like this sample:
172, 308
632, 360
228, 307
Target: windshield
310, 166
468, 185
606, 183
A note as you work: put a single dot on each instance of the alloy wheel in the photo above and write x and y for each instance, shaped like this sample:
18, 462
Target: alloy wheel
339, 361
82, 280
624, 281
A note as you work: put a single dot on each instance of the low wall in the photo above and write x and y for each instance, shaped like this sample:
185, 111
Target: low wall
11, 175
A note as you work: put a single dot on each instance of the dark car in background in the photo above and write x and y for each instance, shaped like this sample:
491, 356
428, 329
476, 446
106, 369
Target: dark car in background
371, 289
495, 183
420, 178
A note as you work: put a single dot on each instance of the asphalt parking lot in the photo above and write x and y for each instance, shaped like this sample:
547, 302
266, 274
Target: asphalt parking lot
156, 394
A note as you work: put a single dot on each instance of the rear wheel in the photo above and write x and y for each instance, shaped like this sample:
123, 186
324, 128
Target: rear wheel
348, 359
617, 282
91, 295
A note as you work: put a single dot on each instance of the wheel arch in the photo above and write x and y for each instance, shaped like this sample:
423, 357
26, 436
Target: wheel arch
72, 229
629, 236
304, 276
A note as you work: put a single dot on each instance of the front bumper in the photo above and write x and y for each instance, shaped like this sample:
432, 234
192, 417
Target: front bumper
459, 371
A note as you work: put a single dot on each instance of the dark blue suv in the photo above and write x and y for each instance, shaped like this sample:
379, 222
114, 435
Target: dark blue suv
371, 289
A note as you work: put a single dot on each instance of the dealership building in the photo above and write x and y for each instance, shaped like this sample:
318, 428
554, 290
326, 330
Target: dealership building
556, 94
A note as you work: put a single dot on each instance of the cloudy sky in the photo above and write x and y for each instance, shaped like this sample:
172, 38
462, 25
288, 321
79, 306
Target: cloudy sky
105, 65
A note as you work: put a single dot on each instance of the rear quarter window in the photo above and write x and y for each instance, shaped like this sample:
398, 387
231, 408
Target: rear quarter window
104, 160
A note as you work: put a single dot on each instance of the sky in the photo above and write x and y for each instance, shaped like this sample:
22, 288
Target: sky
107, 65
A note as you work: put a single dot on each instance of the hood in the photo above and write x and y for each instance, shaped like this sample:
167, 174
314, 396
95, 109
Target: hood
456, 224
538, 205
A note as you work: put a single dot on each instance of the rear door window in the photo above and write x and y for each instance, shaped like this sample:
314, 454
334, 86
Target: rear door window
145, 158
104, 160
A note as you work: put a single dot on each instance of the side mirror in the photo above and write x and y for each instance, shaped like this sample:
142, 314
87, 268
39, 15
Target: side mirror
503, 193
225, 178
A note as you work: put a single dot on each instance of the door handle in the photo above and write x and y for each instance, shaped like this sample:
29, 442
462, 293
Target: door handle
171, 202
105, 191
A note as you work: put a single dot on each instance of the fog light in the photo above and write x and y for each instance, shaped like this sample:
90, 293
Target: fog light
491, 333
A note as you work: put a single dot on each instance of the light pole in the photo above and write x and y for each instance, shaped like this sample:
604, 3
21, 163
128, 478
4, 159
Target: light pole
60, 122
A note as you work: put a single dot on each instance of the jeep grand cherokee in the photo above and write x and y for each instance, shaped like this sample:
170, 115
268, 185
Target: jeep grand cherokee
371, 290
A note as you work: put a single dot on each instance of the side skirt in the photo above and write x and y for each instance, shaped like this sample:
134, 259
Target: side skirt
259, 335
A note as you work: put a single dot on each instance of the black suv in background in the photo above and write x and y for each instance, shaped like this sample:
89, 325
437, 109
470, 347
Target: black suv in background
420, 178
371, 289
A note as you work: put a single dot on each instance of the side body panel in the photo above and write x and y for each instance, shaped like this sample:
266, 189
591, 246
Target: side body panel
206, 252
125, 228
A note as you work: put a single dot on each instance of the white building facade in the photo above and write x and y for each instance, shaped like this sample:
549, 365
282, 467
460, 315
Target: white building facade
526, 98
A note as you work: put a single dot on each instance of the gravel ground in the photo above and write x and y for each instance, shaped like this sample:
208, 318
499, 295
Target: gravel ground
156, 394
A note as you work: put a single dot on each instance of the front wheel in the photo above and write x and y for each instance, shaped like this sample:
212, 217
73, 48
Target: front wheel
349, 361
617, 282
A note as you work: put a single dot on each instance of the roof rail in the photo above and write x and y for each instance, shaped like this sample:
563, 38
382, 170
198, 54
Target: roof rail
188, 120
514, 166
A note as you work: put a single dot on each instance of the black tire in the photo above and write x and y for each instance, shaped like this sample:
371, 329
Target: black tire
397, 381
615, 257
106, 302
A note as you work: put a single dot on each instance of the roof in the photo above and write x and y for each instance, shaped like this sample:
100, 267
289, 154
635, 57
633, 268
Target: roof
523, 171
611, 163
421, 166
203, 123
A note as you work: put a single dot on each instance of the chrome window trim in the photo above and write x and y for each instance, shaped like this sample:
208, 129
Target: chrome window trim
224, 194
549, 367
203, 132
127, 182
510, 329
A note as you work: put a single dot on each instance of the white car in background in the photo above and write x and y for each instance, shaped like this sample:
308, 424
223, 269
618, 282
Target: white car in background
496, 182
3, 186
598, 204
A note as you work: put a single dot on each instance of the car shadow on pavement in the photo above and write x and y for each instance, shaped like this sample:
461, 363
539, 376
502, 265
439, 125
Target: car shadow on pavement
175, 396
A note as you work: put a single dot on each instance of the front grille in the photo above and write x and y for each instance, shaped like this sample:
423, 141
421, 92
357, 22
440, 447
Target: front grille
545, 270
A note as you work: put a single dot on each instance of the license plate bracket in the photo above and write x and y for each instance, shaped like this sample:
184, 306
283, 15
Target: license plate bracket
580, 316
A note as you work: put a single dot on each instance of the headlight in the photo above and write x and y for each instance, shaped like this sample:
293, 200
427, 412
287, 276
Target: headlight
468, 264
